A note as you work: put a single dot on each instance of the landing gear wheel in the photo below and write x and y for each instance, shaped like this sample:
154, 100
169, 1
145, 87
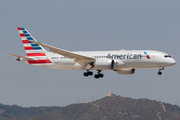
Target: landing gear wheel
101, 75
159, 73
85, 74
96, 76
90, 73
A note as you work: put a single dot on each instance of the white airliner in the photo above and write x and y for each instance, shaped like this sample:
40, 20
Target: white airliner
122, 61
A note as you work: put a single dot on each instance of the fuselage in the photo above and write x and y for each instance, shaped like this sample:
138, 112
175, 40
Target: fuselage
124, 59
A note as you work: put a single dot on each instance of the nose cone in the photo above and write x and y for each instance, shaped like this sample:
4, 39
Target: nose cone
172, 62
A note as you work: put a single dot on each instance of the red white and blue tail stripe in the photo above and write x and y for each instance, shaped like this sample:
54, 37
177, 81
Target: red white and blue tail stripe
31, 48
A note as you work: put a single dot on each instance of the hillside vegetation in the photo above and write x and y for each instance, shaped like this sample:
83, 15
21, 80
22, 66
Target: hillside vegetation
11, 111
112, 108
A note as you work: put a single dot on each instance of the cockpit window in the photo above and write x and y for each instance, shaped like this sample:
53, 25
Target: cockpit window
167, 56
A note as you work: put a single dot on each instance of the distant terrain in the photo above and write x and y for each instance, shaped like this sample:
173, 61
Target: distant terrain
11, 111
108, 108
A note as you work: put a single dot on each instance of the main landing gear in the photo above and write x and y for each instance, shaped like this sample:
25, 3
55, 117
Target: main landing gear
160, 73
87, 73
98, 75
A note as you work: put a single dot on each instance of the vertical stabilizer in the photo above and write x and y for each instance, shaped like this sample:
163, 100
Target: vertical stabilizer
31, 48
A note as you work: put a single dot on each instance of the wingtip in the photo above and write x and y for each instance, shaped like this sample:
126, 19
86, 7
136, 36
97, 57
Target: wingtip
8, 54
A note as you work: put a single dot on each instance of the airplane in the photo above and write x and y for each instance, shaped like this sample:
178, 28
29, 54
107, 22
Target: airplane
121, 61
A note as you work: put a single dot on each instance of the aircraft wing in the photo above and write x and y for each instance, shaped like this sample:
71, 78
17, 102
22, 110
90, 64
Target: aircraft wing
84, 61
20, 56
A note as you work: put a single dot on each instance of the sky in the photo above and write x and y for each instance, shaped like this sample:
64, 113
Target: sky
88, 25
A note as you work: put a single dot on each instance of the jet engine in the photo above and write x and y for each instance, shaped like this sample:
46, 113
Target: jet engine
102, 64
126, 71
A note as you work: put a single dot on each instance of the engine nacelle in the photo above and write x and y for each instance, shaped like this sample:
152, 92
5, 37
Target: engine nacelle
126, 71
102, 64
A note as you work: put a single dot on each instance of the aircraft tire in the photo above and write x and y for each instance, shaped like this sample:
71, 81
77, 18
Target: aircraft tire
101, 75
159, 73
85, 74
96, 76
90, 73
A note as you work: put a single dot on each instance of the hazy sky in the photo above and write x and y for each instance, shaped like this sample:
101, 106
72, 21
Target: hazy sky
80, 25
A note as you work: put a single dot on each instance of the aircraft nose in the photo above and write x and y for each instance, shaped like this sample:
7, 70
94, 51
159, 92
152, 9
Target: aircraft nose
172, 61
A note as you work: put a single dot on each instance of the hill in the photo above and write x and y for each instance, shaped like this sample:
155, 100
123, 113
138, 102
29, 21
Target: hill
11, 111
112, 108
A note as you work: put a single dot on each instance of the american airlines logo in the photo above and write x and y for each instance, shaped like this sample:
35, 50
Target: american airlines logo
125, 56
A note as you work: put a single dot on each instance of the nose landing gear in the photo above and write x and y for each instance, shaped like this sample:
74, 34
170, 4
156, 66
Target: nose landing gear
160, 73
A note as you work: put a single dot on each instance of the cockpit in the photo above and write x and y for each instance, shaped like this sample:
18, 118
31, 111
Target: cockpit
167, 56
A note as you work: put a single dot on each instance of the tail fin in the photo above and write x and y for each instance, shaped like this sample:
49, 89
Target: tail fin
31, 48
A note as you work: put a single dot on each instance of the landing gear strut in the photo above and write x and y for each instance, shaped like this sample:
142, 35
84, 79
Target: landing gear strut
160, 73
98, 75
87, 73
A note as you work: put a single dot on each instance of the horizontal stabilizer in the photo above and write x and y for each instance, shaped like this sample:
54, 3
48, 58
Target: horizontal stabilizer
20, 56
